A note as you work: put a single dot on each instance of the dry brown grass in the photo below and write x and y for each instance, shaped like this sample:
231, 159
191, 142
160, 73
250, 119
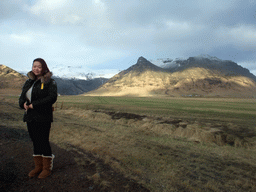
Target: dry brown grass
8, 91
162, 156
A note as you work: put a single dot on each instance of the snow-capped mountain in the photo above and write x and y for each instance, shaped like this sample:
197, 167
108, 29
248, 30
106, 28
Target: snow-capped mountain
168, 63
81, 72
200, 76
227, 67
78, 72
85, 73
206, 56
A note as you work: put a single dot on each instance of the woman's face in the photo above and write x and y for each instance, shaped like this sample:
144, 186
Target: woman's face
37, 68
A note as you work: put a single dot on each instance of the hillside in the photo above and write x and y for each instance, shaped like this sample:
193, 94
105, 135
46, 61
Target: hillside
194, 76
225, 67
10, 80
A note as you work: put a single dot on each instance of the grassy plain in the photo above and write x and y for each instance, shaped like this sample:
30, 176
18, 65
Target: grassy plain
154, 154
220, 109
155, 150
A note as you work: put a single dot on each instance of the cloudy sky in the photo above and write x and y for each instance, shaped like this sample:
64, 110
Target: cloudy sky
112, 34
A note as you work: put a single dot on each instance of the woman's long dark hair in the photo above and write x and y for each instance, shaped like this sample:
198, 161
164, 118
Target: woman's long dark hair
45, 68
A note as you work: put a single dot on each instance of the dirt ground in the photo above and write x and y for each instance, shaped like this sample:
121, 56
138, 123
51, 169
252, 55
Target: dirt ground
67, 175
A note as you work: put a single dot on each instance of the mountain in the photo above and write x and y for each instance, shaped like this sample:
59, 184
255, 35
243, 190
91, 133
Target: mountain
201, 76
78, 72
81, 72
12, 81
204, 61
77, 86
226, 67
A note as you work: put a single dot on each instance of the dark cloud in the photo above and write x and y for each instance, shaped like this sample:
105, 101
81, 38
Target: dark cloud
127, 29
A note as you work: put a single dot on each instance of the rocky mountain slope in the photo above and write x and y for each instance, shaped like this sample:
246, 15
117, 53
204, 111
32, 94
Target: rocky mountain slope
10, 79
195, 76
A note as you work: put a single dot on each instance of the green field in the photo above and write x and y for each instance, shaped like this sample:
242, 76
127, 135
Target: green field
240, 111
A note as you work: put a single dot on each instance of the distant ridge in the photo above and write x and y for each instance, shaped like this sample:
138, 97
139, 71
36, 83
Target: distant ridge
77, 86
195, 76
226, 67
12, 81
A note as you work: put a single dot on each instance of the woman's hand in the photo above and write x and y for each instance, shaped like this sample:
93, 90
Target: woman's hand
25, 106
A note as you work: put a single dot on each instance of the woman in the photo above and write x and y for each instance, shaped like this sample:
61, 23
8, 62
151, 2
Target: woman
38, 95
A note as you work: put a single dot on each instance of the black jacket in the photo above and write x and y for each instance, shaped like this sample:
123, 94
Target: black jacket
44, 95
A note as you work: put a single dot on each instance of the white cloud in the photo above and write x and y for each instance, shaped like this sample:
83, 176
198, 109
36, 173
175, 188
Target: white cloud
244, 35
96, 32
61, 12
100, 3
23, 38
217, 5
8, 8
44, 6
49, 10
177, 25
241, 36
72, 18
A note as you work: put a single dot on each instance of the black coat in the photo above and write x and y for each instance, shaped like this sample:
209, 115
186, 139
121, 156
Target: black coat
42, 99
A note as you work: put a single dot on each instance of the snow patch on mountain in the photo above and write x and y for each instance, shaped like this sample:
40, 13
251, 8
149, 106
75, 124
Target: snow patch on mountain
174, 63
79, 72
167, 62
206, 56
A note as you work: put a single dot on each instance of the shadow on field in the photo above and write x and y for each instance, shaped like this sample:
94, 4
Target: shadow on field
74, 169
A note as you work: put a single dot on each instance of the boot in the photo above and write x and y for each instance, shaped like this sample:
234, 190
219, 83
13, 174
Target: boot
47, 166
38, 159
